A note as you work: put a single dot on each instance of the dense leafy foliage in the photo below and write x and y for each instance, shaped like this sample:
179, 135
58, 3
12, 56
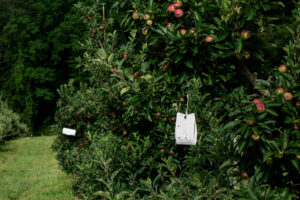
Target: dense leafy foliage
38, 47
10, 124
225, 55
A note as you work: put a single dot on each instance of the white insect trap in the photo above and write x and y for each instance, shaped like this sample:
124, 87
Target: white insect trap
69, 132
186, 128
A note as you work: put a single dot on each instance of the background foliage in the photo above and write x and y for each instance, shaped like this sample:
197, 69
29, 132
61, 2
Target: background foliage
141, 72
38, 47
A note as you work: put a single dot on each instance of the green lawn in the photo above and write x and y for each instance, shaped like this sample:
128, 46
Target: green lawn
29, 170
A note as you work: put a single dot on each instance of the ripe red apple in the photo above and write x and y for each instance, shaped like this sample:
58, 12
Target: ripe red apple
192, 32
244, 175
90, 18
182, 32
136, 74
135, 16
279, 91
178, 13
288, 96
282, 68
146, 17
256, 101
181, 99
124, 103
171, 8
158, 114
245, 34
165, 119
260, 107
144, 30
136, 111
209, 39
198, 120
298, 104
124, 132
173, 118
255, 137
169, 26
162, 150
100, 27
131, 183
149, 22
94, 31
114, 69
125, 56
171, 152
177, 4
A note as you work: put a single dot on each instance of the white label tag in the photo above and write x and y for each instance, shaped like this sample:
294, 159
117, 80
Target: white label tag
186, 129
68, 131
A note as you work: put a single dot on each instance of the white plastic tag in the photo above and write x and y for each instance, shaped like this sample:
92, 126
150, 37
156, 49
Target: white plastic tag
186, 129
68, 131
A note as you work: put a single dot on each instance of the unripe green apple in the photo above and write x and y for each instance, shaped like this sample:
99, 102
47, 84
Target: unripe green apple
149, 22
279, 91
146, 17
135, 16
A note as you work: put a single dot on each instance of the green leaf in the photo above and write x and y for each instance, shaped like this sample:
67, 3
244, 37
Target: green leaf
267, 155
102, 194
102, 54
239, 45
189, 64
232, 124
295, 163
272, 112
124, 90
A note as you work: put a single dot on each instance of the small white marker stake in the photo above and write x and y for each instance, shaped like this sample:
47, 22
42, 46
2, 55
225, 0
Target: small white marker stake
68, 131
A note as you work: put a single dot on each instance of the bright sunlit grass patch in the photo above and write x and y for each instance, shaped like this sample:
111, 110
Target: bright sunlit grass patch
29, 170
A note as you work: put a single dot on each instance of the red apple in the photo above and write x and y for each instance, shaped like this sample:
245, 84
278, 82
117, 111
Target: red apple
171, 8
260, 107
209, 39
171, 152
144, 30
101, 27
178, 13
114, 69
149, 22
125, 56
244, 175
165, 119
256, 101
124, 103
282, 68
288, 96
173, 118
169, 26
255, 137
162, 150
146, 17
94, 31
181, 99
251, 121
158, 114
177, 4
245, 34
135, 15
182, 32
279, 91
136, 74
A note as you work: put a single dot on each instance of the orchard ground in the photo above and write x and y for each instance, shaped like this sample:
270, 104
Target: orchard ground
29, 170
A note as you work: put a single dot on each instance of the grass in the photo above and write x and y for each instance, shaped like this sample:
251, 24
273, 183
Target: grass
29, 170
